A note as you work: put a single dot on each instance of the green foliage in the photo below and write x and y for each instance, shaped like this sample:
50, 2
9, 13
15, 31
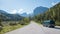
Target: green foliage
52, 13
10, 28
13, 24
1, 28
24, 21
0, 23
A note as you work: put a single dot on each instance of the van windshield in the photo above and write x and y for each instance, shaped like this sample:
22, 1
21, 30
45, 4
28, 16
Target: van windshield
46, 22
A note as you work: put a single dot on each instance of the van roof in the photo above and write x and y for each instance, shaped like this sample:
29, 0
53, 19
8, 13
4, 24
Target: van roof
47, 20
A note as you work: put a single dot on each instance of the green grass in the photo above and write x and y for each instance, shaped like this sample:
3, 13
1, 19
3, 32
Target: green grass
57, 23
10, 28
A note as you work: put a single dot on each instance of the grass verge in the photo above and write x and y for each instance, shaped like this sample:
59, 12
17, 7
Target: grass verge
57, 23
10, 28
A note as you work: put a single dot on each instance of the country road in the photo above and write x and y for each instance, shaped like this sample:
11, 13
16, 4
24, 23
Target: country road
34, 28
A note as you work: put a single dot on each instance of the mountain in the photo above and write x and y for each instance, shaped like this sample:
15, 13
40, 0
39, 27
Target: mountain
36, 11
52, 13
6, 16
27, 15
2, 12
14, 16
3, 16
39, 10
24, 15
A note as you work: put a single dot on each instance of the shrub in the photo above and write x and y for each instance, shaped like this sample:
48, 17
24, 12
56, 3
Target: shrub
1, 28
13, 24
24, 21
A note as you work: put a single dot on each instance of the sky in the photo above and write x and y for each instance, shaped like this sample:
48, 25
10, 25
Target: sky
25, 6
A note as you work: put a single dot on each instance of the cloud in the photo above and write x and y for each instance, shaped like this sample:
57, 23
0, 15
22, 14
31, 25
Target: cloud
54, 3
14, 11
20, 11
29, 12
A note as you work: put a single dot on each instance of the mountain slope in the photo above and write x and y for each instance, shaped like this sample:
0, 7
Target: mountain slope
3, 15
24, 15
6, 16
40, 10
37, 10
52, 13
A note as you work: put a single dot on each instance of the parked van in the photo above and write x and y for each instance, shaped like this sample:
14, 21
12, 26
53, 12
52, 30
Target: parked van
49, 23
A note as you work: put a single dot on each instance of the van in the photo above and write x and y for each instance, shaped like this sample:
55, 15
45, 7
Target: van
49, 23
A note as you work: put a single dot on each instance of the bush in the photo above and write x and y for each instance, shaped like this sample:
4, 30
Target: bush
13, 24
1, 24
10, 28
1, 28
24, 21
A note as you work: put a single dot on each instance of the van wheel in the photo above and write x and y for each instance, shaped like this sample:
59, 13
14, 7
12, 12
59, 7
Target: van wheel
51, 26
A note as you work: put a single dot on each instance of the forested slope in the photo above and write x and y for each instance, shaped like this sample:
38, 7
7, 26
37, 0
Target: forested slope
51, 13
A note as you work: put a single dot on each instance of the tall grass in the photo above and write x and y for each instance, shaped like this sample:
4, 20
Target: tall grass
10, 28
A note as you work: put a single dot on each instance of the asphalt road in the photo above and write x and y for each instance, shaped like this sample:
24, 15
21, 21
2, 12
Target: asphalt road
34, 28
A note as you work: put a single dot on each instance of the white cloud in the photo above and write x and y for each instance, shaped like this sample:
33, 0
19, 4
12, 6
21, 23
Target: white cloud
29, 12
14, 11
54, 3
20, 11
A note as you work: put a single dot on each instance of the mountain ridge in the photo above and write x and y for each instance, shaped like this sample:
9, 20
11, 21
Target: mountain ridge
40, 10
6, 16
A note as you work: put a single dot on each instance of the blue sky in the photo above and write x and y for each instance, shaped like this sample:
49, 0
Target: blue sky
21, 6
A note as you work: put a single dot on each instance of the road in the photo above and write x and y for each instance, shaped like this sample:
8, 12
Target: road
34, 28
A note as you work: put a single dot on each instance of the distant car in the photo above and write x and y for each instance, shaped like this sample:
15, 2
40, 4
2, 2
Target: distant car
49, 23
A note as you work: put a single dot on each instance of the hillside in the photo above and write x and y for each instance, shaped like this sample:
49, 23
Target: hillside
54, 12
6, 16
51, 13
40, 10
